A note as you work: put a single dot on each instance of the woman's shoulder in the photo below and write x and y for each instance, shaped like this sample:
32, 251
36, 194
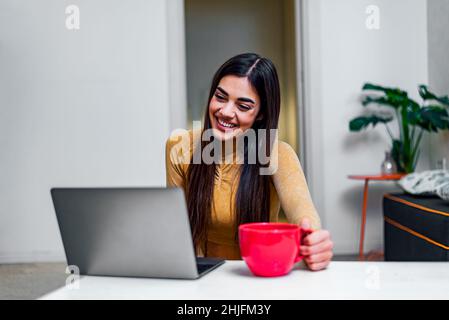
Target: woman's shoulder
177, 134
285, 147
285, 150
180, 143
284, 160
182, 137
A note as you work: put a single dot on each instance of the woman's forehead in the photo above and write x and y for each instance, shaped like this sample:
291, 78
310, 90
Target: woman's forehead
238, 87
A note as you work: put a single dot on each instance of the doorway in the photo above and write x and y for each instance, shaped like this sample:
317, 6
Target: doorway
218, 30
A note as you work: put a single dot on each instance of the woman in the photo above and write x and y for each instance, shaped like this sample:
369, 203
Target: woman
244, 97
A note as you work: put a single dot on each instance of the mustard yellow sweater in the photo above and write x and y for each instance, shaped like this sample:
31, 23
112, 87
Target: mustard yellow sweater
288, 188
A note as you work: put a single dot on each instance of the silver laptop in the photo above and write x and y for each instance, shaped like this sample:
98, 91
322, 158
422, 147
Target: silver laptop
128, 232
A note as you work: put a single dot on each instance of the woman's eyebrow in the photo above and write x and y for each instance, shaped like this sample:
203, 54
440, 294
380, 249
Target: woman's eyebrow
246, 100
222, 91
239, 99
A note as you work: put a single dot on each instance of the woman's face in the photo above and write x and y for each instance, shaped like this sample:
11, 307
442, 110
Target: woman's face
234, 107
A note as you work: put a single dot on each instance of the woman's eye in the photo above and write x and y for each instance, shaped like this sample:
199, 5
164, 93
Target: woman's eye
220, 97
243, 107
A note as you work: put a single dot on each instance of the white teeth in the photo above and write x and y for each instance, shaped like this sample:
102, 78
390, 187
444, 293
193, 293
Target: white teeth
225, 124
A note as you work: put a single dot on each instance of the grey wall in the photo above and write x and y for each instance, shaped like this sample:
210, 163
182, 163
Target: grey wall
438, 27
90, 107
342, 54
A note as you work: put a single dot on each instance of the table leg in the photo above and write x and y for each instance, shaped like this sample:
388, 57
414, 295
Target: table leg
362, 227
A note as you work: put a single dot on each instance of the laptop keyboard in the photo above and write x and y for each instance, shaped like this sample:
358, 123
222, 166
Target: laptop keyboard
204, 264
204, 267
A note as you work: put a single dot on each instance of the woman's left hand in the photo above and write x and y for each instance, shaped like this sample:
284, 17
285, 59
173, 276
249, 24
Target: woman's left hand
317, 248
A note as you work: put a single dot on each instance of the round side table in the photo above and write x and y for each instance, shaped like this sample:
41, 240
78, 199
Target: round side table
367, 178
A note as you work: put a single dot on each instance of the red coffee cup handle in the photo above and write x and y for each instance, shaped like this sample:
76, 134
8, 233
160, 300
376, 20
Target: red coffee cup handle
304, 233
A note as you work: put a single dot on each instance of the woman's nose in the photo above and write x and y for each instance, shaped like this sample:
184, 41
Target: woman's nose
228, 110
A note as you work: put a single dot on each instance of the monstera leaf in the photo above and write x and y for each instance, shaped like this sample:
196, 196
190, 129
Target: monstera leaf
388, 91
393, 97
426, 95
433, 119
361, 123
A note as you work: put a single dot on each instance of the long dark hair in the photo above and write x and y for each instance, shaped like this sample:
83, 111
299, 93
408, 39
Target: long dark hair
253, 194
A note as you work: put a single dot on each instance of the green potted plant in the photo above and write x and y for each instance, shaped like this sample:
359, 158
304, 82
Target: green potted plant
413, 120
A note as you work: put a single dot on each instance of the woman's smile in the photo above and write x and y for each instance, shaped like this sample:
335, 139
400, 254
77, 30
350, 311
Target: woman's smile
224, 125
234, 107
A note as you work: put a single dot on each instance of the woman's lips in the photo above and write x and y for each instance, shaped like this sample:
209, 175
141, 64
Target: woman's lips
222, 127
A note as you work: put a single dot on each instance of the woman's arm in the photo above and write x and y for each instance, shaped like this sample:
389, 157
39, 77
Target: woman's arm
296, 201
291, 187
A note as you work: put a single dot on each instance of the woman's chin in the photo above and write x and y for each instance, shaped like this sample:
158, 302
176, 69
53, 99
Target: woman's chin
225, 135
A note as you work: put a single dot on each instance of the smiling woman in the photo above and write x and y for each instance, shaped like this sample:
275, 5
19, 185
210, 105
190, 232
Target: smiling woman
244, 96
236, 111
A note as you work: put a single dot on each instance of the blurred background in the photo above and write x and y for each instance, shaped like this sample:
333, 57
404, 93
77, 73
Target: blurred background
93, 106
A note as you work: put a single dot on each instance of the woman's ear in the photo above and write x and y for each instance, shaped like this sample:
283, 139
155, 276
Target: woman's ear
259, 117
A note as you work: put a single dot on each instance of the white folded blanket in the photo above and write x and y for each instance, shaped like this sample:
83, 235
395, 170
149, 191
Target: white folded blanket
432, 182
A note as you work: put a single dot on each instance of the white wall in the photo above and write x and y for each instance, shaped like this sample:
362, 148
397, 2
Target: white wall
341, 54
91, 107
438, 26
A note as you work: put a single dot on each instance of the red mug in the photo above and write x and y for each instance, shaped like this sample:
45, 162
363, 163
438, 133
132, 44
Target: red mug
271, 249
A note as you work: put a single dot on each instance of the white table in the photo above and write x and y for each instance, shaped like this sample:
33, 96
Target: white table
233, 281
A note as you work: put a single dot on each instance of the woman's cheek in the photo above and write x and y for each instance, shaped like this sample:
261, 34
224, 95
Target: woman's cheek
246, 120
214, 107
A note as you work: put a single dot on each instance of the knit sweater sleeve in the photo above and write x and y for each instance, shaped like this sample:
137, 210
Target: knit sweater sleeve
292, 189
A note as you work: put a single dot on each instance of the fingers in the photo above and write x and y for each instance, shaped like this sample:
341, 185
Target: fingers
315, 249
319, 257
316, 237
318, 266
